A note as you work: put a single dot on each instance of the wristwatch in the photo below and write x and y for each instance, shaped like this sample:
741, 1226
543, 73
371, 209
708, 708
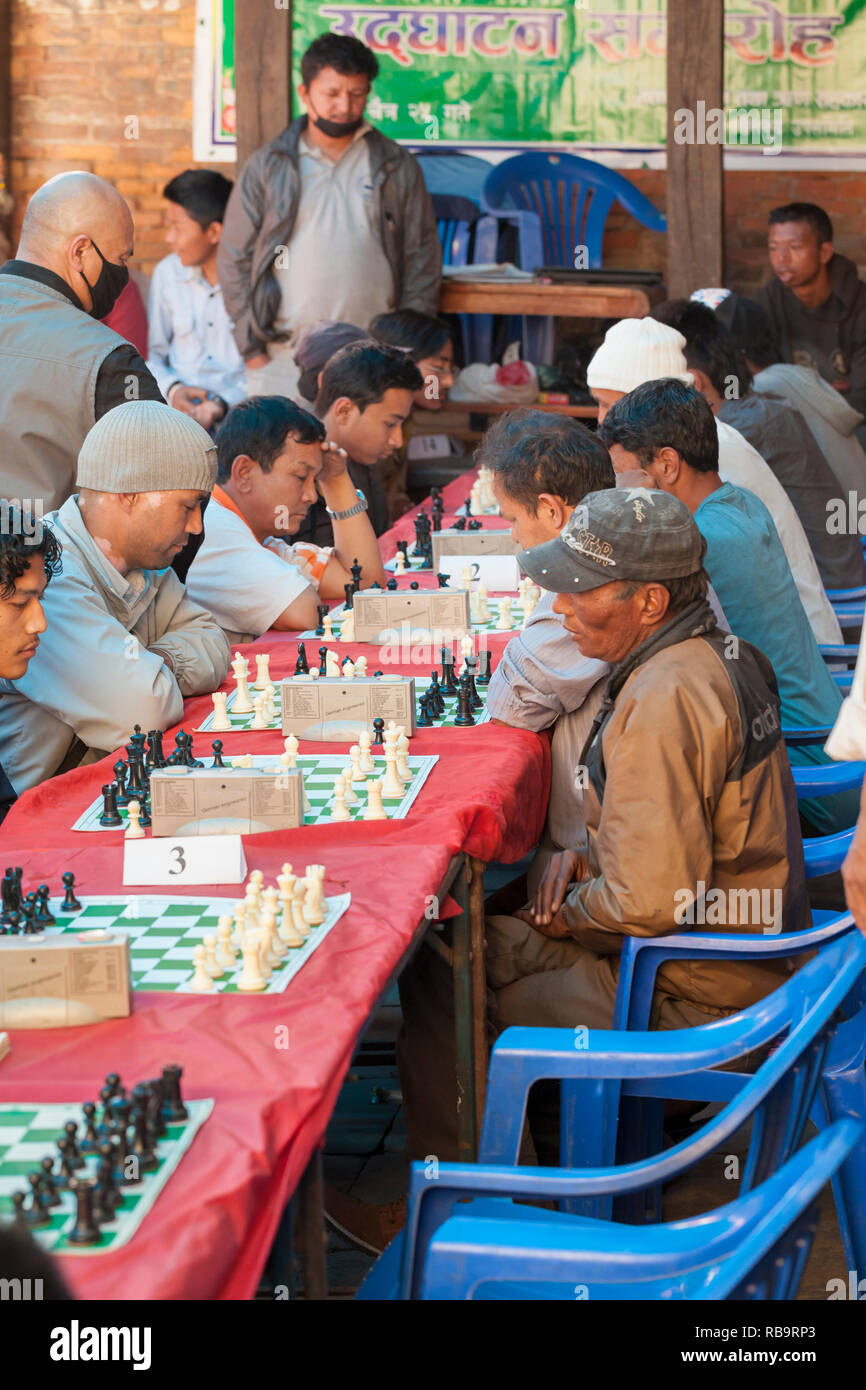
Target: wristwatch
360, 506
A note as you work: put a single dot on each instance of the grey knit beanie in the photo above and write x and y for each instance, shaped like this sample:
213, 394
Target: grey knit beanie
146, 446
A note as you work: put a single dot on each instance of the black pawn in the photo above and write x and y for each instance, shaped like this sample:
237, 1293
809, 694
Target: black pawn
144, 811
86, 1228
471, 668
120, 775
302, 665
18, 1199
321, 610
72, 1136
436, 691
52, 1197
349, 591
464, 715
217, 747
70, 902
474, 526
110, 814
90, 1142
30, 926
460, 524
483, 677
414, 584
438, 511
142, 1148
113, 1085
189, 758
442, 580
468, 506
356, 569
38, 1214
424, 720
67, 1162
173, 1107
392, 585
323, 660
44, 915
378, 732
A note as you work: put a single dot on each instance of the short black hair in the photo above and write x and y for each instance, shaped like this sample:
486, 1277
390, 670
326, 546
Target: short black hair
203, 193
364, 372
259, 427
750, 328
664, 414
341, 52
534, 451
804, 212
709, 346
20, 542
421, 335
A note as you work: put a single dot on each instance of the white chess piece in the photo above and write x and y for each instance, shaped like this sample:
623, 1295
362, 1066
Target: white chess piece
358, 773
374, 810
134, 830
225, 953
467, 646
351, 797
270, 697
240, 924
220, 723
400, 565
316, 873
262, 944
273, 946
404, 771
260, 718
361, 666
393, 786
289, 758
338, 810
251, 905
332, 665
251, 977
506, 622
328, 625
348, 669
347, 626
483, 609
313, 914
242, 702
365, 743
201, 981
263, 674
298, 920
211, 964
289, 934
467, 578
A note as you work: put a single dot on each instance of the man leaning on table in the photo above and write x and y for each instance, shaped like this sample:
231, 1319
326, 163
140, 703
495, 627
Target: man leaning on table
124, 644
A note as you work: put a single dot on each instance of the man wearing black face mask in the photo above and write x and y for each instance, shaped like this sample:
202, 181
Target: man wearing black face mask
331, 220
61, 369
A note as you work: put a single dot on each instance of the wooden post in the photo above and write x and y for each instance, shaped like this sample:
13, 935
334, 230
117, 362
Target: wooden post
695, 176
262, 73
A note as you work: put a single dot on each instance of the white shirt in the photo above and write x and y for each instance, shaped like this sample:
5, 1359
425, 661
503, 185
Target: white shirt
189, 333
243, 584
334, 266
743, 466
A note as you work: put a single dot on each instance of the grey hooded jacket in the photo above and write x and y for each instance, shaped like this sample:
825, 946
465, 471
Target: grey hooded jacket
261, 214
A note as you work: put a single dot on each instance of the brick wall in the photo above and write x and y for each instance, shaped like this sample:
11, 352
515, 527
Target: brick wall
80, 68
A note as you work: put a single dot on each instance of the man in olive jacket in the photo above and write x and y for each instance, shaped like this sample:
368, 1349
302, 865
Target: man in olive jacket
690, 807
331, 220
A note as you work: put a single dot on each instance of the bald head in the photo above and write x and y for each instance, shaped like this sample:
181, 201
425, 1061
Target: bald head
65, 217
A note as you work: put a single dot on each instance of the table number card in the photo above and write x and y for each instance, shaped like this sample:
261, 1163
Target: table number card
173, 861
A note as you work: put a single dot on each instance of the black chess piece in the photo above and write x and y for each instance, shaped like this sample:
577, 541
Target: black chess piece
404, 547
142, 1145
217, 747
321, 610
44, 915
467, 507
70, 902
49, 1185
38, 1214
18, 1199
90, 1142
106, 1177
302, 665
449, 684
464, 715
106, 1198
144, 811
392, 584
155, 756
424, 719
67, 1162
356, 570
156, 1117
113, 1083
323, 661
173, 1107
119, 1109
189, 758
414, 584
29, 925
442, 580
349, 591
474, 525
7, 891
110, 814
474, 698
483, 677
14, 923
438, 513
438, 697
459, 523
105, 1097
71, 1129
378, 733
121, 772
86, 1229
136, 782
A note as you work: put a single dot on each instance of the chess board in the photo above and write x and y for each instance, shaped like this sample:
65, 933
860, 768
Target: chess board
415, 562
491, 625
319, 770
243, 723
164, 931
29, 1132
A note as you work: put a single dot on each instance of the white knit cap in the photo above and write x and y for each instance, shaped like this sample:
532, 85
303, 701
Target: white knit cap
635, 351
146, 446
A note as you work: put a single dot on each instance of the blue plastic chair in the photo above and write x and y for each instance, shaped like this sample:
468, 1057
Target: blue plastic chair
846, 595
753, 1248
823, 779
779, 1097
798, 737
467, 238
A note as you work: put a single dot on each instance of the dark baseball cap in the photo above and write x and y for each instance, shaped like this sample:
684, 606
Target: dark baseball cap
621, 533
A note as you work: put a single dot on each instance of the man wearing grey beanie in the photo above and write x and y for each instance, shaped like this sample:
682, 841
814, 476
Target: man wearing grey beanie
124, 643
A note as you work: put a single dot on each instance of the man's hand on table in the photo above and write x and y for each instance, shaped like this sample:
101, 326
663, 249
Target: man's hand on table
567, 867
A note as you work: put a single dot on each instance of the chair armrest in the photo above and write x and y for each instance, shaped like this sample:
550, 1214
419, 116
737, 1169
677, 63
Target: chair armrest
823, 779
823, 854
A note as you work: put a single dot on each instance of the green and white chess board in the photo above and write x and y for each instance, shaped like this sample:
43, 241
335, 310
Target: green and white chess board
490, 624
243, 723
415, 562
164, 931
29, 1133
319, 772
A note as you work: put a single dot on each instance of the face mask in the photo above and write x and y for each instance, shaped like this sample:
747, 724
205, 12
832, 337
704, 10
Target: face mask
335, 130
108, 285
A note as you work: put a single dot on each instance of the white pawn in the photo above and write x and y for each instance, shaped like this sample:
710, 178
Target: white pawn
347, 626
272, 946
332, 665
467, 646
328, 625
298, 920
251, 903
134, 830
263, 675
211, 964
358, 774
374, 810
404, 771
225, 953
251, 977
351, 797
361, 666
365, 744
506, 622
400, 565
220, 723
289, 758
483, 609
270, 706
201, 981
338, 810
240, 924
260, 718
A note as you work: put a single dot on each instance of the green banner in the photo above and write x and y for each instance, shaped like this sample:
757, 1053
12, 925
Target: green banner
523, 73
